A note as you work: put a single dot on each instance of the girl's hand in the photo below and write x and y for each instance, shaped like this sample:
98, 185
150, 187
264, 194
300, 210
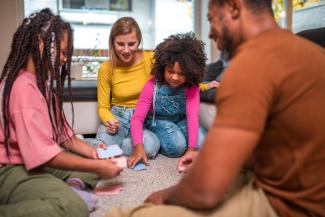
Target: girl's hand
107, 169
94, 154
138, 154
213, 84
112, 126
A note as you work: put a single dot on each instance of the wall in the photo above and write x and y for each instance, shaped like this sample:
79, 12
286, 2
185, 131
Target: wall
309, 18
86, 120
212, 52
11, 14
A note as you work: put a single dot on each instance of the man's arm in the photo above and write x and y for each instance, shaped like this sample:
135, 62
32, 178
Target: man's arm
222, 156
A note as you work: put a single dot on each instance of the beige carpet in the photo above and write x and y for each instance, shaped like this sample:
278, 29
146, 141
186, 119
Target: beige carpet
137, 185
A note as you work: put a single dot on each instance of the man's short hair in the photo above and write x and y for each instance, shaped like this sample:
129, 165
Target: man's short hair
254, 5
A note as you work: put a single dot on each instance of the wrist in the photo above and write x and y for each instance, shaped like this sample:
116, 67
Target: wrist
138, 146
191, 149
167, 199
93, 153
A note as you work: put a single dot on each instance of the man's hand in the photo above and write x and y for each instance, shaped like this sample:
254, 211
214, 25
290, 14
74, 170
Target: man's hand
138, 154
159, 197
112, 126
187, 160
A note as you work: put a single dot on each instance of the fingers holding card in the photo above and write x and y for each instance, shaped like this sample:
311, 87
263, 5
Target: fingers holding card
109, 152
120, 161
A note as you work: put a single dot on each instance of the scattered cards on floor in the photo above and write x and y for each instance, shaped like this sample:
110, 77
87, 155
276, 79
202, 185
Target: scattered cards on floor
139, 166
109, 190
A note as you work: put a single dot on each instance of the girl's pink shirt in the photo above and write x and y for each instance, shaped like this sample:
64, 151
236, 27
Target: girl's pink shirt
31, 134
144, 105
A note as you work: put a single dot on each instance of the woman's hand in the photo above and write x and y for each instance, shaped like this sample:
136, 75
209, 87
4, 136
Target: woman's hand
187, 160
112, 126
138, 154
213, 84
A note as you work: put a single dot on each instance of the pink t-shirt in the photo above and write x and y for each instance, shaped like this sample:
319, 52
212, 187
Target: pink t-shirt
31, 133
144, 105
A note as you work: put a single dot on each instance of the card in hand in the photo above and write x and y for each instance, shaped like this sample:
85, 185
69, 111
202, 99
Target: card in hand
120, 161
109, 152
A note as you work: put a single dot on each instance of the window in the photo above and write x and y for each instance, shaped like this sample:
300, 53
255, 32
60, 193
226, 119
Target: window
299, 15
308, 14
92, 20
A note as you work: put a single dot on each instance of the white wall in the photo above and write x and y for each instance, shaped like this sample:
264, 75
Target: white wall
309, 18
11, 15
86, 120
204, 28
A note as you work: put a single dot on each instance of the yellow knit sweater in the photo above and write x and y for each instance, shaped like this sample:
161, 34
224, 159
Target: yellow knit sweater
123, 87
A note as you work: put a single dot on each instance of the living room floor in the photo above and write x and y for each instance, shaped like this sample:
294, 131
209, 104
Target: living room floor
137, 185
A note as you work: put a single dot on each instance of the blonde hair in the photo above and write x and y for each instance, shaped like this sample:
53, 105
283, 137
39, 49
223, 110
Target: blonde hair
122, 26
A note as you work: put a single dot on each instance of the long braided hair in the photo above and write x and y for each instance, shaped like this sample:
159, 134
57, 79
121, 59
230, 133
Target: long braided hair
46, 27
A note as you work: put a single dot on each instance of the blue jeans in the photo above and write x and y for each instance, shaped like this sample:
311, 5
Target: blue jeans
123, 138
168, 120
173, 136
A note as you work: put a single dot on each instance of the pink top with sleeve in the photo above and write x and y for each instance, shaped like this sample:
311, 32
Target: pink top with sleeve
31, 142
144, 105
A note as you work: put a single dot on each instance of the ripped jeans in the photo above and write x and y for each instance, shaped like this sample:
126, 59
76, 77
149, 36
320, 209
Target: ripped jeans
123, 138
169, 122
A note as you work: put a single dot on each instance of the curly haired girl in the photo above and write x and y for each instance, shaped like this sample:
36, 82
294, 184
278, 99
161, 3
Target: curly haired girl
169, 102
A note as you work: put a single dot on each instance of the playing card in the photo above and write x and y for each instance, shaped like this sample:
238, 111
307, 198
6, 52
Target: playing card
140, 166
109, 152
109, 190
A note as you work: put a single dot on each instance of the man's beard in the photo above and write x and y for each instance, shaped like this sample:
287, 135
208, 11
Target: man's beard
228, 45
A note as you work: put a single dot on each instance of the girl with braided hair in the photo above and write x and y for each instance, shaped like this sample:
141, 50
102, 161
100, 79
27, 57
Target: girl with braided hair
35, 138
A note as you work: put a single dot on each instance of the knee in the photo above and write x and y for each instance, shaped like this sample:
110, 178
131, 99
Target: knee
93, 141
151, 144
109, 139
80, 209
70, 206
127, 146
103, 136
174, 145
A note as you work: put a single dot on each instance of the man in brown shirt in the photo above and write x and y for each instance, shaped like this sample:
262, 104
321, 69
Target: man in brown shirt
271, 105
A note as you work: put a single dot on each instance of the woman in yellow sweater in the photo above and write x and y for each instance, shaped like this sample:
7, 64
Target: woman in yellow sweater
120, 81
